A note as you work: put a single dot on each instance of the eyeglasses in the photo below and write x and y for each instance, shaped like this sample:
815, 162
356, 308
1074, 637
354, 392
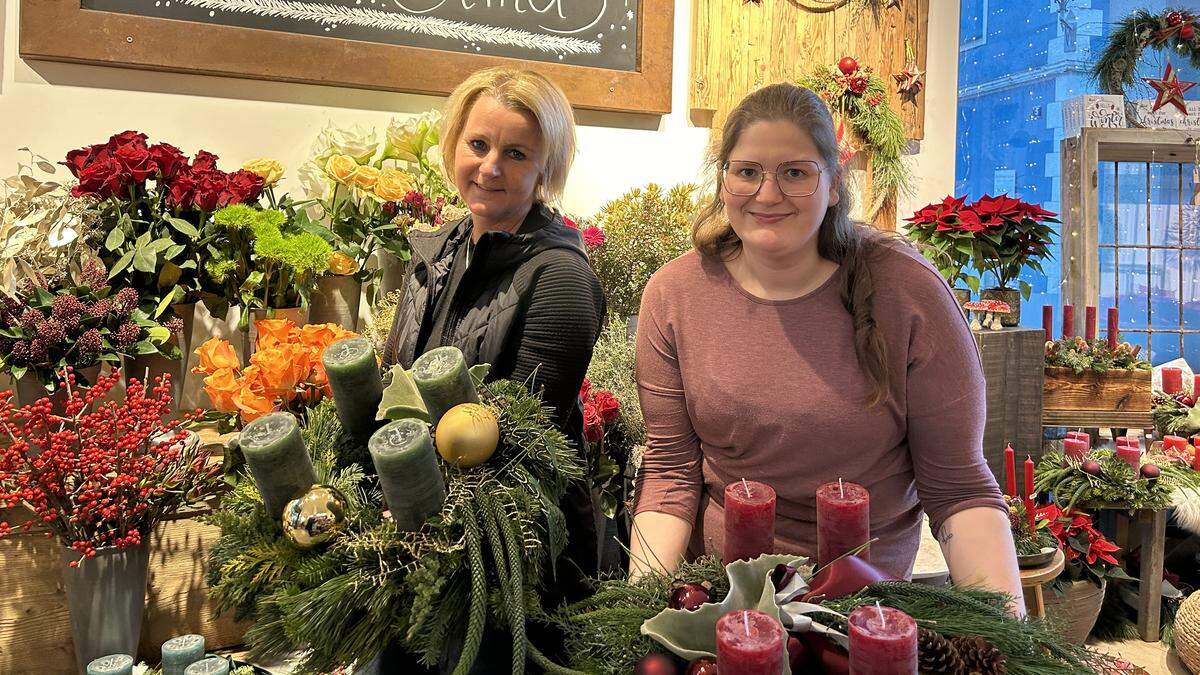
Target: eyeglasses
795, 179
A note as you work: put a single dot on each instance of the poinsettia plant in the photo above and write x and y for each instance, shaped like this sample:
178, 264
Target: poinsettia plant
997, 235
103, 473
76, 320
150, 203
1088, 553
285, 371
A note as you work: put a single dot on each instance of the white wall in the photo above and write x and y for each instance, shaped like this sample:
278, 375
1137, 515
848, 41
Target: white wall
54, 107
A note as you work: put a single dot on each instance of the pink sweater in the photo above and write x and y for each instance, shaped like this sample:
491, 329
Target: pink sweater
733, 386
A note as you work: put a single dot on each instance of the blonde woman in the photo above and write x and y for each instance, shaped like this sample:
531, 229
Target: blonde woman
510, 284
794, 347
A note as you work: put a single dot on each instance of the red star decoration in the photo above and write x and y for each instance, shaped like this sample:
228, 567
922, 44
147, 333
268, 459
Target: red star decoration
1170, 90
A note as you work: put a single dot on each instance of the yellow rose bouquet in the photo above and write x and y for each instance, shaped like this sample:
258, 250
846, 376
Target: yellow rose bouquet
285, 371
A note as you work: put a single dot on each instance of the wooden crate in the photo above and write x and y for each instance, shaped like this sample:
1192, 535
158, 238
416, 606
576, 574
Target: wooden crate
1116, 398
35, 625
1012, 367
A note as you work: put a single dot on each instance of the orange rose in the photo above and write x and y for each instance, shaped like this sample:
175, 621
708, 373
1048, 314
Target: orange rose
216, 354
252, 405
282, 369
221, 387
364, 177
340, 263
319, 336
275, 332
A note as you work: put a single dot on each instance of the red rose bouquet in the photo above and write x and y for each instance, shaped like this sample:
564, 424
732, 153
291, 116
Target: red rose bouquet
103, 473
150, 204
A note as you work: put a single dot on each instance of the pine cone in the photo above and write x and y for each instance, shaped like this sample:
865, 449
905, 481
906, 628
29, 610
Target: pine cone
979, 656
936, 654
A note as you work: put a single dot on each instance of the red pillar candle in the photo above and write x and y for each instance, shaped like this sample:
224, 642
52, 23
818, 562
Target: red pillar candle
1048, 322
1172, 381
1068, 323
843, 521
883, 641
749, 520
1010, 472
1075, 448
1177, 443
1130, 455
1195, 385
1089, 328
1196, 455
1081, 435
750, 642
1114, 332
1131, 441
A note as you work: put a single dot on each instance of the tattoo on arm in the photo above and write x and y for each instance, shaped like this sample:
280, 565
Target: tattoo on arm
945, 536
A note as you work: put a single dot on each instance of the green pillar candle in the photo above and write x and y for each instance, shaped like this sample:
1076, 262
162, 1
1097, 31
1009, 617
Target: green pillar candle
180, 652
114, 664
213, 665
408, 472
442, 377
278, 461
357, 386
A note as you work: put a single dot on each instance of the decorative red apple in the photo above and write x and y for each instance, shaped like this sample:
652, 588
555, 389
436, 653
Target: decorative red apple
656, 664
705, 665
689, 597
1174, 19
848, 65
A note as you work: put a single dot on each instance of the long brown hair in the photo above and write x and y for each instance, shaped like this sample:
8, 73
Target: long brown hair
849, 244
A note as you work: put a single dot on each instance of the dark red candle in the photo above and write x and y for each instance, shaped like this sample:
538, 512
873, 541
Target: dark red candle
1172, 381
843, 521
1068, 322
1131, 441
750, 643
1114, 332
1010, 472
1028, 496
1196, 451
1196, 386
883, 641
1075, 448
1130, 455
1177, 443
1048, 322
1089, 328
1081, 435
749, 520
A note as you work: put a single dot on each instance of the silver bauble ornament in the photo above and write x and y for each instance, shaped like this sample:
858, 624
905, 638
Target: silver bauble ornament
316, 517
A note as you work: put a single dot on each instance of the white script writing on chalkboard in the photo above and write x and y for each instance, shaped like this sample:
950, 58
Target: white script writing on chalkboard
518, 6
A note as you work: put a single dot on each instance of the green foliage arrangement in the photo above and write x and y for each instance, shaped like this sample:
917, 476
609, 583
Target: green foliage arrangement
262, 258
1174, 29
612, 369
1081, 355
644, 229
479, 561
860, 97
1117, 485
1173, 418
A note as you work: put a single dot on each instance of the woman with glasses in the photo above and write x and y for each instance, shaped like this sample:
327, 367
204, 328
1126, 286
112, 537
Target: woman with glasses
794, 347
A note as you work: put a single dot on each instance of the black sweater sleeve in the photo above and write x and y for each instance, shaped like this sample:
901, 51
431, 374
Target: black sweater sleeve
560, 328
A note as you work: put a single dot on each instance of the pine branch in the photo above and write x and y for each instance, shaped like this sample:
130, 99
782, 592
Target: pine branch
479, 598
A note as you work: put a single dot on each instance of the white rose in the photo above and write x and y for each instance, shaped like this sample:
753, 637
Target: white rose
412, 138
358, 142
314, 180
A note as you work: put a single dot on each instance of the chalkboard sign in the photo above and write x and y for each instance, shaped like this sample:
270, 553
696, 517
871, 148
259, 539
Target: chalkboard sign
599, 33
606, 54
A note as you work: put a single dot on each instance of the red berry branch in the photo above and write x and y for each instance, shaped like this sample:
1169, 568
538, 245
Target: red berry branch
100, 473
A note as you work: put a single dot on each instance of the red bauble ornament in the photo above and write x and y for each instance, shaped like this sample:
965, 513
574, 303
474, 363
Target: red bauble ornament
689, 597
1174, 19
1187, 32
1091, 467
1151, 471
705, 665
656, 664
848, 65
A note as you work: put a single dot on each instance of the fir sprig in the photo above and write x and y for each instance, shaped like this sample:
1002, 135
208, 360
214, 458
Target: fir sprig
1117, 485
1117, 66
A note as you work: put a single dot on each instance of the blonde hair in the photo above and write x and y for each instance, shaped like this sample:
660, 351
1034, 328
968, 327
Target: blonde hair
526, 91
849, 244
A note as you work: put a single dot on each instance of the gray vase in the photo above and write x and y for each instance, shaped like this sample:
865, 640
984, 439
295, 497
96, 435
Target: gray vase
336, 301
1010, 296
106, 595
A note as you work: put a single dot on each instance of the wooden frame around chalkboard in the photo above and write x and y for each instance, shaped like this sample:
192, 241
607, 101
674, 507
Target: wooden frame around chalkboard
60, 30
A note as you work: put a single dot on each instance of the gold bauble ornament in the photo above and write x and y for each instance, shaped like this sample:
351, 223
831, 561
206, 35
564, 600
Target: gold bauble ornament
467, 435
316, 517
